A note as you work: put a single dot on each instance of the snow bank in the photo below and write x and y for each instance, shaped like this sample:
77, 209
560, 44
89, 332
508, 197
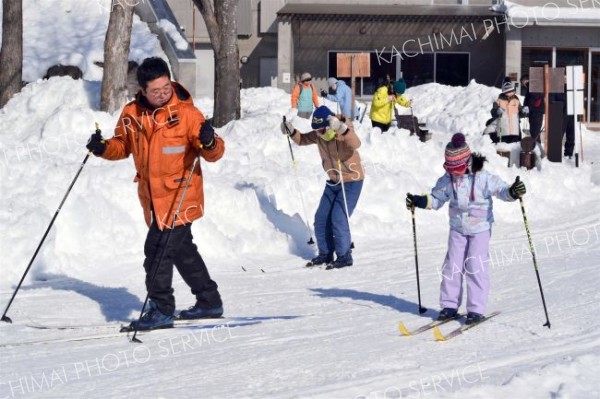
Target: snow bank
253, 195
73, 33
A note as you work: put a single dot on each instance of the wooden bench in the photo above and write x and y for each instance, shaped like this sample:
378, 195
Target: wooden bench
411, 123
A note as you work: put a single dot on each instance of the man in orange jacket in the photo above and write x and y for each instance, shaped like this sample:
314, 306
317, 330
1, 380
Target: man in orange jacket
164, 132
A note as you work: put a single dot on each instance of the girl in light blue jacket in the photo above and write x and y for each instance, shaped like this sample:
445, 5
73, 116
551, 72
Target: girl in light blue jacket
342, 96
469, 190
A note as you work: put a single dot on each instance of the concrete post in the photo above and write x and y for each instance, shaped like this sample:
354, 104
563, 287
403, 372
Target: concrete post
285, 56
513, 52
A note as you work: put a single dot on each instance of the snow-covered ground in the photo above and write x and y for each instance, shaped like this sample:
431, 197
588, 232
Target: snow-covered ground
293, 332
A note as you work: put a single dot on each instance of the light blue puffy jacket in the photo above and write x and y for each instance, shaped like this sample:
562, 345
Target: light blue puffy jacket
471, 207
343, 96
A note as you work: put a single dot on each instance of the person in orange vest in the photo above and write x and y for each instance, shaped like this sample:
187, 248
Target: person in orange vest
304, 96
165, 132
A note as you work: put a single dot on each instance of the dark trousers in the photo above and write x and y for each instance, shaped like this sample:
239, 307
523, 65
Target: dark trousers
183, 253
382, 126
535, 124
569, 132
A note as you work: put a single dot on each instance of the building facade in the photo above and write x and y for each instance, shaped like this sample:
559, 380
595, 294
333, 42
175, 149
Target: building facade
443, 41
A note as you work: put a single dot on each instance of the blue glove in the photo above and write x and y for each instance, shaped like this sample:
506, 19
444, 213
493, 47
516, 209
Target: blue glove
419, 201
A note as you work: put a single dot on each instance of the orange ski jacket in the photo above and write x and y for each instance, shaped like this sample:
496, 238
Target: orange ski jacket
164, 142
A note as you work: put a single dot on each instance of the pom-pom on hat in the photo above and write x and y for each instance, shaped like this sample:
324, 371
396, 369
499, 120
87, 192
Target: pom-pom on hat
507, 87
457, 155
400, 86
320, 116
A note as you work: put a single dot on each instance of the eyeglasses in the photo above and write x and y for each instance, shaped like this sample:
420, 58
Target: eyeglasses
307, 80
157, 92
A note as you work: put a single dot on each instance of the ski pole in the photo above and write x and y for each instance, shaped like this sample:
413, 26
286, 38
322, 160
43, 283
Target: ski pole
415, 126
414, 228
344, 193
532, 249
310, 240
5, 318
164, 249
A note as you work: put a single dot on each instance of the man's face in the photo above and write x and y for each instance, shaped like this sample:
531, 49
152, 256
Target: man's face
158, 91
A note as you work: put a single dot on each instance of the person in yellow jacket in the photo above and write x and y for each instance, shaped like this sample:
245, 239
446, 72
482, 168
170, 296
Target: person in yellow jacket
384, 100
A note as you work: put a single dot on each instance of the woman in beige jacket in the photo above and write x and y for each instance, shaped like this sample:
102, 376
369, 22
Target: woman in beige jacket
338, 147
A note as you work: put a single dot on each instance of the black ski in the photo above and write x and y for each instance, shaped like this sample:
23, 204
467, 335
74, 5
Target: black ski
176, 322
455, 333
219, 323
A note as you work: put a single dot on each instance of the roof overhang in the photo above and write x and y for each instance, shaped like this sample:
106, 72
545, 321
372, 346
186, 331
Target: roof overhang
379, 12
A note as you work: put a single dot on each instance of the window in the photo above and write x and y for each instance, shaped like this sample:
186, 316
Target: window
418, 69
452, 69
445, 68
382, 66
535, 57
569, 57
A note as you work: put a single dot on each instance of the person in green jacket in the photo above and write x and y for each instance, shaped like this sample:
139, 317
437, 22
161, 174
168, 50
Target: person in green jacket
384, 100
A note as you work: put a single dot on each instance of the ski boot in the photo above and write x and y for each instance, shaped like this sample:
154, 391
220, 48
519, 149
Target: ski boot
197, 312
321, 259
473, 318
447, 313
341, 261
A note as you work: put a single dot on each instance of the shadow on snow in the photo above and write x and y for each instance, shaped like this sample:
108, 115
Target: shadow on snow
116, 303
389, 301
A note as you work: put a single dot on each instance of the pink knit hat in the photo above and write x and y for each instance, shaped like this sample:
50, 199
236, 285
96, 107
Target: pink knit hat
458, 155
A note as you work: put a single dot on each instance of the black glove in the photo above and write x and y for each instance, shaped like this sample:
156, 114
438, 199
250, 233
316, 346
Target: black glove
419, 201
324, 93
96, 144
207, 135
517, 189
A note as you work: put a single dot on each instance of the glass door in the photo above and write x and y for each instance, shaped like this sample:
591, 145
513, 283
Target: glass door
593, 93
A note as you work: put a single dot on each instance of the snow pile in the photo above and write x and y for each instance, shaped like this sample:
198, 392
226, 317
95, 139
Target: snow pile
521, 15
73, 33
253, 195
180, 42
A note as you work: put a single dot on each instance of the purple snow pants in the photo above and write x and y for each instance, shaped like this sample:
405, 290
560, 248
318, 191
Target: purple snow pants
467, 256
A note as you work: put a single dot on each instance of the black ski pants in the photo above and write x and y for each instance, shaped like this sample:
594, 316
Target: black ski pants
183, 253
569, 134
535, 124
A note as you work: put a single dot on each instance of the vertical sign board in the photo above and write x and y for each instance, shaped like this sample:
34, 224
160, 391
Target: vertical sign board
353, 65
575, 104
556, 85
550, 81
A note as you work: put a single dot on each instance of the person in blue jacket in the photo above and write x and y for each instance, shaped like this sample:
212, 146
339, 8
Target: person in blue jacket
341, 94
469, 190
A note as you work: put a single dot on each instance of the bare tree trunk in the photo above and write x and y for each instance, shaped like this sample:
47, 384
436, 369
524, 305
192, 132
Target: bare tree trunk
116, 56
222, 29
11, 55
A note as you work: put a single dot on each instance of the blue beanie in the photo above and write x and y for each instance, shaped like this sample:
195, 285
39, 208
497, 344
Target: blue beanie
319, 119
400, 86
